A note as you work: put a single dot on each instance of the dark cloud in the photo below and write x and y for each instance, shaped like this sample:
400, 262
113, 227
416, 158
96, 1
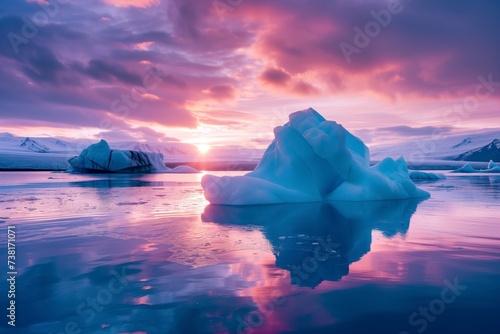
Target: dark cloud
429, 49
275, 76
75, 66
198, 27
42, 65
106, 72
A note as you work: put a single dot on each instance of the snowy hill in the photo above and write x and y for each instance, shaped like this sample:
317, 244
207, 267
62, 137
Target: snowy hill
453, 147
485, 153
11, 143
34, 146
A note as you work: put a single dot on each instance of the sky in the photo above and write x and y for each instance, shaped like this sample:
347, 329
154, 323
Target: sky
226, 72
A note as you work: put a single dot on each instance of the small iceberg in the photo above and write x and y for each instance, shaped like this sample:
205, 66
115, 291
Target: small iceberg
182, 169
313, 160
100, 158
467, 168
419, 175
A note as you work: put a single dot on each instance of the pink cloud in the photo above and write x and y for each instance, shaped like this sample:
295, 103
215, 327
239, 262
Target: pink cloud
221, 92
132, 3
275, 76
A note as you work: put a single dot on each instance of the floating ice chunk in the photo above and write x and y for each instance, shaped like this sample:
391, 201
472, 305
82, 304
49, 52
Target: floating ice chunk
495, 169
419, 175
100, 157
311, 160
183, 169
467, 168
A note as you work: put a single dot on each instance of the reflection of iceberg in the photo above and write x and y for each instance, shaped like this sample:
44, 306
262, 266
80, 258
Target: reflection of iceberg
311, 160
318, 241
100, 158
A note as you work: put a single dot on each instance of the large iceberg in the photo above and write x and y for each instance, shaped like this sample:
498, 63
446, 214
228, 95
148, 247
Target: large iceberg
312, 160
100, 158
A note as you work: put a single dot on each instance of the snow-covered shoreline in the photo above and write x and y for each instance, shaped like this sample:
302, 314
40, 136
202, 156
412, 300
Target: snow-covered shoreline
58, 162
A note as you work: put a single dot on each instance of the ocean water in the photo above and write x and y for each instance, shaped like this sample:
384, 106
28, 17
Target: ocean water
147, 254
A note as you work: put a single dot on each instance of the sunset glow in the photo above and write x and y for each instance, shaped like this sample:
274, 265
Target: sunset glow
203, 148
250, 166
185, 66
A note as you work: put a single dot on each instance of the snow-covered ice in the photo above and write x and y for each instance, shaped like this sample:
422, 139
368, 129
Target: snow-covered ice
311, 160
100, 157
182, 169
476, 145
467, 168
419, 175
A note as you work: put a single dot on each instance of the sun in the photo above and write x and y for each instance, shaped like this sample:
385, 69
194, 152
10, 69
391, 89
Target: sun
203, 148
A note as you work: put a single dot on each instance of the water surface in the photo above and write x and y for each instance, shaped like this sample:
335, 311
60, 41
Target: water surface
147, 254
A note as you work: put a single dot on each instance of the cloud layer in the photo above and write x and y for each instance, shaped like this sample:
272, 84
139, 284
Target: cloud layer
186, 63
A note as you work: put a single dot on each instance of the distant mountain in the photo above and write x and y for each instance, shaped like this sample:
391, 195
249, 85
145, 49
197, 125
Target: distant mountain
464, 142
12, 144
485, 153
34, 146
6, 135
60, 143
454, 147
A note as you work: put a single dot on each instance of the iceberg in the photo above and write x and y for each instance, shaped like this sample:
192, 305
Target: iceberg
313, 160
467, 168
182, 169
100, 158
419, 175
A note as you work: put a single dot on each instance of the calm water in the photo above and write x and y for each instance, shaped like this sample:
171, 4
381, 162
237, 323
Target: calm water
146, 254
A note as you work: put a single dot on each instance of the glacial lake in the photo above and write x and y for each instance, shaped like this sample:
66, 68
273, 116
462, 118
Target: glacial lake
147, 254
